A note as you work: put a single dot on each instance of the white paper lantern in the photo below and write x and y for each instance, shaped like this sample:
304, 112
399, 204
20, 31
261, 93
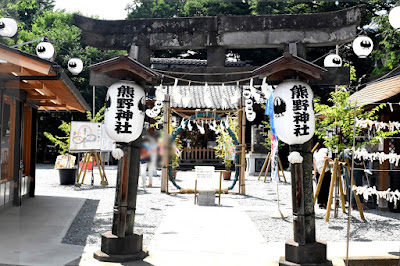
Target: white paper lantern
250, 116
8, 27
363, 46
45, 50
75, 66
293, 112
394, 17
333, 60
124, 115
247, 94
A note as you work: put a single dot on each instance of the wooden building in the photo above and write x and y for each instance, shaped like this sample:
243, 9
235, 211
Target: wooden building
383, 89
27, 84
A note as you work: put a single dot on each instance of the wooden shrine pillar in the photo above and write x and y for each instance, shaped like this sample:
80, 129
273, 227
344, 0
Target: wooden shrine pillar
166, 145
242, 133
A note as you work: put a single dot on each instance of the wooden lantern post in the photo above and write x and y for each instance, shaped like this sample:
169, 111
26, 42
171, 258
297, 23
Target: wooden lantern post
122, 243
303, 248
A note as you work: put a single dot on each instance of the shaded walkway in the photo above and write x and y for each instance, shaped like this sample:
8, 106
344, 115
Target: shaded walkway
32, 234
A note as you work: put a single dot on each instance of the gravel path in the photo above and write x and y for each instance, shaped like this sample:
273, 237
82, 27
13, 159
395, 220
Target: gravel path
260, 203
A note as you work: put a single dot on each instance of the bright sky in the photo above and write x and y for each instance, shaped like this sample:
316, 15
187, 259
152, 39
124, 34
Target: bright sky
104, 9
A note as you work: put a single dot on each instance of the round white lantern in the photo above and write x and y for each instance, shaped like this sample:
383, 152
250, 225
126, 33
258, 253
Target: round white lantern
8, 27
124, 114
247, 94
363, 46
394, 17
250, 116
333, 60
293, 112
75, 66
45, 50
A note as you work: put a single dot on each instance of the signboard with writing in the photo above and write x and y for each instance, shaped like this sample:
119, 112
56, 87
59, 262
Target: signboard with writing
204, 171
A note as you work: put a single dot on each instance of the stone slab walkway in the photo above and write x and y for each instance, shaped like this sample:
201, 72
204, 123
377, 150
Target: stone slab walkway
32, 234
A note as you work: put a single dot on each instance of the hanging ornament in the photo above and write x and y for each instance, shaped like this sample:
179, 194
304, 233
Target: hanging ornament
200, 127
333, 60
247, 94
75, 66
150, 113
183, 125
250, 116
8, 27
221, 125
293, 112
227, 122
159, 93
363, 46
248, 102
45, 50
394, 17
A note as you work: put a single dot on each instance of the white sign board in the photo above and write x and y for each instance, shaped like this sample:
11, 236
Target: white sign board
107, 144
204, 171
85, 136
89, 136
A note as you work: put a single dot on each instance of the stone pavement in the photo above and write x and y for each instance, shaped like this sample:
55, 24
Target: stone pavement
32, 234
199, 235
225, 235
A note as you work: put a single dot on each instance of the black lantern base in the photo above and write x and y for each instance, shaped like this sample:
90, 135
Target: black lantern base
309, 254
121, 249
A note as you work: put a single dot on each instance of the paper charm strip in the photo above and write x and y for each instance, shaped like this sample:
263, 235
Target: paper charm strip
369, 124
363, 154
385, 194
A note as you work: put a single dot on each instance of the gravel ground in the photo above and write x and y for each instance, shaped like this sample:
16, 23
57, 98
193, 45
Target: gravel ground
260, 203
95, 217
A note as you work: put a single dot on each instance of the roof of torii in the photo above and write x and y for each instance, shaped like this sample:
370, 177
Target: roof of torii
233, 32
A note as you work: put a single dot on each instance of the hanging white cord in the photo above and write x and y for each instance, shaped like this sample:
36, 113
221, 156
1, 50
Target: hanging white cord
351, 189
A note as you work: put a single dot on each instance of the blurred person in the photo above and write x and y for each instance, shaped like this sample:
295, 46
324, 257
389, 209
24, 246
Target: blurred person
319, 160
144, 161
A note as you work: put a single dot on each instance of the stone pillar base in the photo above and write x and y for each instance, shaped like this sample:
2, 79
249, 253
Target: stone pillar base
121, 249
309, 254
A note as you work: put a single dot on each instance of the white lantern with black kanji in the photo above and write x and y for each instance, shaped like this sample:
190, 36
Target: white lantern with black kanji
125, 111
293, 112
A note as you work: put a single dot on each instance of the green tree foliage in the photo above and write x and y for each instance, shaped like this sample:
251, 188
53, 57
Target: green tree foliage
387, 52
338, 121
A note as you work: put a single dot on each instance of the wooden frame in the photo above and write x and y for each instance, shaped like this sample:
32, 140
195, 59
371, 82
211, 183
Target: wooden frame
336, 179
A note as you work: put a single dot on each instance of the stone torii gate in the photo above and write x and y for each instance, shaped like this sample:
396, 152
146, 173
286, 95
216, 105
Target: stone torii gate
293, 33
216, 34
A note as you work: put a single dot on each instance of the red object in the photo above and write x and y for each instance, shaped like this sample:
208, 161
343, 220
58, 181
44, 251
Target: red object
89, 164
